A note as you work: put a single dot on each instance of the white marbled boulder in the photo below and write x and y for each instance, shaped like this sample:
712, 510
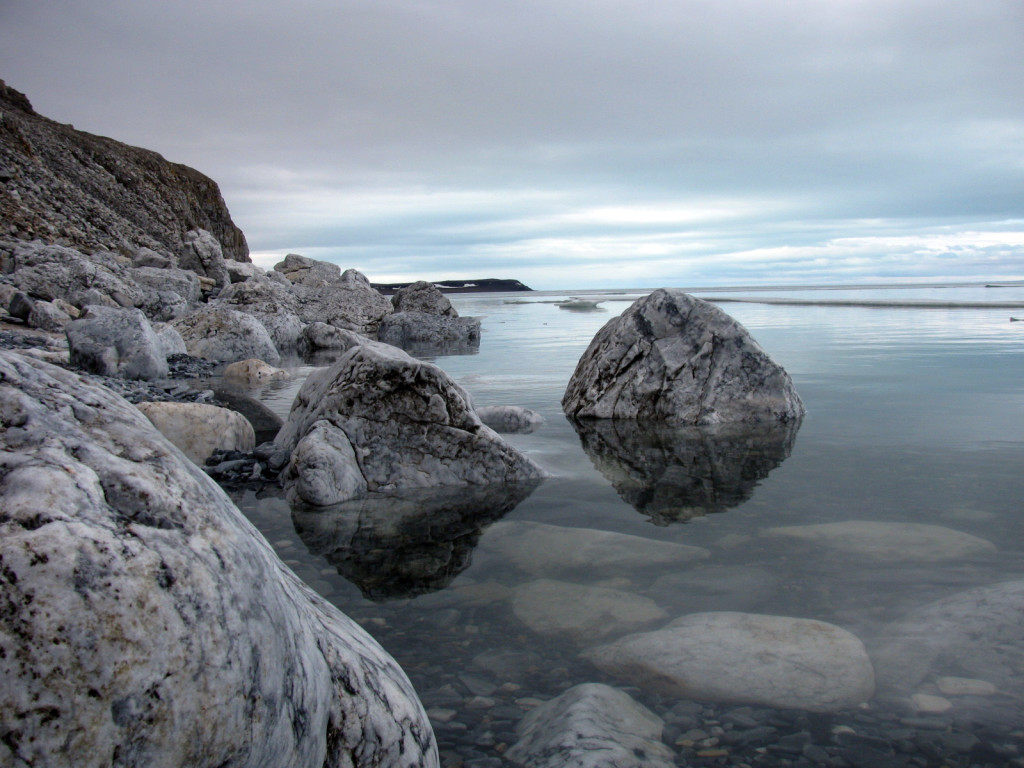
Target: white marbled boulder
591, 726
199, 429
747, 658
226, 336
116, 342
380, 420
144, 621
674, 358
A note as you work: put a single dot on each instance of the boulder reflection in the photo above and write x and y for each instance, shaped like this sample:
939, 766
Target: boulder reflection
406, 544
673, 473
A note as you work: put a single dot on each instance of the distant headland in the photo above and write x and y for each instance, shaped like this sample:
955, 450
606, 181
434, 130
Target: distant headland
483, 285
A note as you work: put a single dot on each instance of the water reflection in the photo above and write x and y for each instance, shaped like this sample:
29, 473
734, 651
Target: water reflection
673, 474
405, 544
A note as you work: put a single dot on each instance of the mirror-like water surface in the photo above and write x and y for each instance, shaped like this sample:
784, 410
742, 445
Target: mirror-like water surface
893, 513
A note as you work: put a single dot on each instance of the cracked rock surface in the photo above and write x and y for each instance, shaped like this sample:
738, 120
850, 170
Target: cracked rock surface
144, 621
675, 358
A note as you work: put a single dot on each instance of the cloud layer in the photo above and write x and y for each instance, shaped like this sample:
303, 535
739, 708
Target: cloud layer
582, 143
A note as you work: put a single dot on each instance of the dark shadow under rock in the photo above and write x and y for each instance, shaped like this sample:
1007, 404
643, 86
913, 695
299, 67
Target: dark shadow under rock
401, 545
674, 473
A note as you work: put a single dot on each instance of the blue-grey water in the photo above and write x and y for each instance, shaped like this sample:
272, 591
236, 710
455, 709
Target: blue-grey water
915, 414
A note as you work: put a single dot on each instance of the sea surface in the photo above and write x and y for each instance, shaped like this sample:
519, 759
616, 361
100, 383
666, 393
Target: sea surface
915, 415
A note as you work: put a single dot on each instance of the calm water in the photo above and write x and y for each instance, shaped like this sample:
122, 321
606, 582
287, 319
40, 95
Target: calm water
914, 415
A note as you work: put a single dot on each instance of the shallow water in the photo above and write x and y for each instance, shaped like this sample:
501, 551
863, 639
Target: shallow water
914, 415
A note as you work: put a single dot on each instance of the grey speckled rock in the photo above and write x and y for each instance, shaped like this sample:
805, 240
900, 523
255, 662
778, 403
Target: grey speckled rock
226, 336
144, 621
591, 726
201, 252
424, 297
746, 658
116, 342
409, 426
675, 358
422, 333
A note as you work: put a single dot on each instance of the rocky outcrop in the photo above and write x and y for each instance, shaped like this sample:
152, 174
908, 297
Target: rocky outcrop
144, 621
68, 187
674, 358
746, 658
380, 420
591, 726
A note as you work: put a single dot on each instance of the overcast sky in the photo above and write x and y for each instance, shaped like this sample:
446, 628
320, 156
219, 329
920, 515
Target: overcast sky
569, 143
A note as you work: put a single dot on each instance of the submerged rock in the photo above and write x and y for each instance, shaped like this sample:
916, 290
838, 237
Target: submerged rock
674, 473
745, 658
591, 726
973, 634
395, 422
144, 621
547, 550
919, 542
582, 611
252, 372
675, 358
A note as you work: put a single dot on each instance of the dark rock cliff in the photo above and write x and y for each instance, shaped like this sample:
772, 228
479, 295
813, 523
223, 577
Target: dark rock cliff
72, 188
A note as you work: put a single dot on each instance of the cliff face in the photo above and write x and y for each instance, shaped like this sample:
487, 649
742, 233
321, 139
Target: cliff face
89, 192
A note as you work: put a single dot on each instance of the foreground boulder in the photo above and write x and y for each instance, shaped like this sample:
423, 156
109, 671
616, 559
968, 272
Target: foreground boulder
143, 621
380, 420
674, 358
746, 658
591, 726
116, 342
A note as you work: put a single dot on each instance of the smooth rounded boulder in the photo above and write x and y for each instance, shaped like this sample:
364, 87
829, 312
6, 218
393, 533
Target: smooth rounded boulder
395, 421
745, 658
674, 358
144, 621
198, 429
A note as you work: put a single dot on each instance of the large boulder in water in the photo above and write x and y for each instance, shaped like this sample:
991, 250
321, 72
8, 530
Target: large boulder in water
380, 420
144, 621
674, 358
425, 297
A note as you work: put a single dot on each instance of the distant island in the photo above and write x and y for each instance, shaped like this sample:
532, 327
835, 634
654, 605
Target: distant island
484, 285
